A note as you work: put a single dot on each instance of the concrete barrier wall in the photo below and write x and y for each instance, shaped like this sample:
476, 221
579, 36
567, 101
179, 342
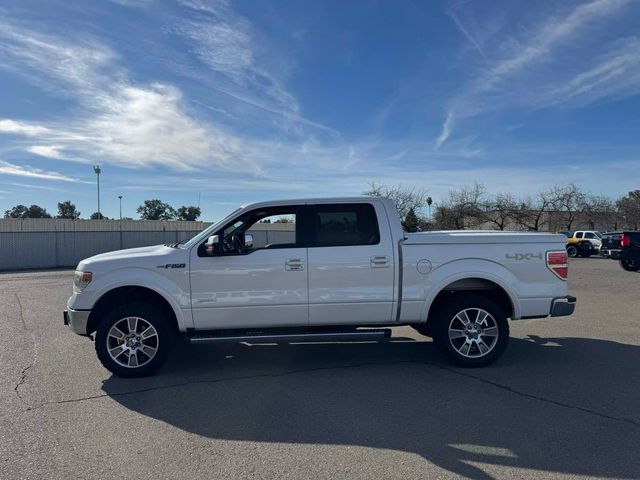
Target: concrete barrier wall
59, 244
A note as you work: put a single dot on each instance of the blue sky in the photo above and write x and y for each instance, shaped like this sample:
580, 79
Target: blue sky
238, 101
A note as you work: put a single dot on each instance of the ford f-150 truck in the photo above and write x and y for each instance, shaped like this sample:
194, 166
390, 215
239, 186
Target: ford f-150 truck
342, 264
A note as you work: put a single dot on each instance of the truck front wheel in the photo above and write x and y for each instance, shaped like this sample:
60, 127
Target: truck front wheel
471, 330
133, 340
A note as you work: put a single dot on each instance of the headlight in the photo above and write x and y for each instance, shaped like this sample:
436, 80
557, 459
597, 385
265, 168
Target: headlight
81, 280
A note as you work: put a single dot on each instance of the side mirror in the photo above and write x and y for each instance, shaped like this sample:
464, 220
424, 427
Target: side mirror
213, 240
248, 240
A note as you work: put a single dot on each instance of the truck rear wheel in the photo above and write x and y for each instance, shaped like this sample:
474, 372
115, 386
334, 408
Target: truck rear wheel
471, 330
629, 265
572, 251
133, 340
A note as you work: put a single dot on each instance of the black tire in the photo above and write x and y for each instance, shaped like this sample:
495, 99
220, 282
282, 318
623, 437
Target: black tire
629, 265
572, 251
163, 341
446, 317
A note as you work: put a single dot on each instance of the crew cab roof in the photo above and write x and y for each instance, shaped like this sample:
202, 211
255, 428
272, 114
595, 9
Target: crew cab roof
315, 201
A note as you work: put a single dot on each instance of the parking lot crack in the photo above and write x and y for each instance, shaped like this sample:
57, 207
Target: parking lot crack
470, 376
539, 398
25, 371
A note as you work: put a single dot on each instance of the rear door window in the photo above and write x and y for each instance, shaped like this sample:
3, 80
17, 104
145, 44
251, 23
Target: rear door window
344, 224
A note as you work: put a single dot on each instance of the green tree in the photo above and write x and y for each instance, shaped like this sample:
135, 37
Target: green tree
156, 210
67, 210
188, 213
22, 211
98, 216
19, 211
411, 220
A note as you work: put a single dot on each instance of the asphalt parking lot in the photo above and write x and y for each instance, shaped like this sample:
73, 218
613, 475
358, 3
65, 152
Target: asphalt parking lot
563, 402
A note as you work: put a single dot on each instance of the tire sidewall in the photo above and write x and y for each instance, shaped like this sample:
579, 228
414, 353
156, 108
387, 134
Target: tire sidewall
150, 314
572, 251
446, 314
629, 265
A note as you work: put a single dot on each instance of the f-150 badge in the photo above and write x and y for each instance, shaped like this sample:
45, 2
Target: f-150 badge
172, 265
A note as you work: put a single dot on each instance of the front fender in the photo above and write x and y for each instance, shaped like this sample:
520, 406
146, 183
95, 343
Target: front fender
471, 268
178, 297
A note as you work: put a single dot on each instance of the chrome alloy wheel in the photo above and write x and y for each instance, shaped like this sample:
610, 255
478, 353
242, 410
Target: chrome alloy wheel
132, 342
473, 332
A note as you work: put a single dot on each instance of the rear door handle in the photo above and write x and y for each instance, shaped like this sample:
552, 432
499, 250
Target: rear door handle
379, 261
294, 264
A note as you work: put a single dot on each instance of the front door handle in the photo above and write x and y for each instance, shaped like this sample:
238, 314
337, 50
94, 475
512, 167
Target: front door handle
294, 264
379, 261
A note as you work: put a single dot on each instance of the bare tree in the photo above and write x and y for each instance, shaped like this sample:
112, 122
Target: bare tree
568, 202
600, 212
405, 198
500, 210
462, 208
629, 208
533, 211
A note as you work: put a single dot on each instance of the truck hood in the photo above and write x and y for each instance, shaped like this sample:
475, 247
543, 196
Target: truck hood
146, 257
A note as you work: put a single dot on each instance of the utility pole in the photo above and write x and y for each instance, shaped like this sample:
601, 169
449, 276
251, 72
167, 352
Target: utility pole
120, 198
97, 170
429, 202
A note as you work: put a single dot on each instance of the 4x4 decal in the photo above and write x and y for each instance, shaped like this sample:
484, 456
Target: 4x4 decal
523, 256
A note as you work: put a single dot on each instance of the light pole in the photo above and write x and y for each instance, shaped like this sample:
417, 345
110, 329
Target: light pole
429, 202
96, 168
120, 198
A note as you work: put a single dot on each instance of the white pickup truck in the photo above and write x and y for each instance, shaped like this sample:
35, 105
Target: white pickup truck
340, 265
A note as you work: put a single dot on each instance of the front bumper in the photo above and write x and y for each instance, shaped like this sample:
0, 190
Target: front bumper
77, 320
563, 306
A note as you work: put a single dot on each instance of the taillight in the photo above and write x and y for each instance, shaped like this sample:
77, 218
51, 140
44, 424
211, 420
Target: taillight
557, 263
625, 240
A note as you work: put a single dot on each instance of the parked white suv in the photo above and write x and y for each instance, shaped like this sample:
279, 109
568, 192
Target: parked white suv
344, 263
593, 236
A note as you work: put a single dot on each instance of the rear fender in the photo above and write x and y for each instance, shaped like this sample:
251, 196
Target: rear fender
472, 268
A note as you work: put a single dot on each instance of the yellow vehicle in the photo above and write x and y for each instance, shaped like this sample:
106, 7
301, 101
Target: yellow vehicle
578, 246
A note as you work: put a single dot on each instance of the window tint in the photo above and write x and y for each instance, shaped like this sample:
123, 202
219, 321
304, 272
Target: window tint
578, 234
347, 224
589, 235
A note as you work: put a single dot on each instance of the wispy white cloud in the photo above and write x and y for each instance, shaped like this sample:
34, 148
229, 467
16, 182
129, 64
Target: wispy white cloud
81, 63
522, 76
146, 126
465, 32
115, 120
7, 168
21, 128
446, 130
226, 43
614, 73
49, 151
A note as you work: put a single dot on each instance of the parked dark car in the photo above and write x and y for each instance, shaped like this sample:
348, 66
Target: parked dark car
630, 251
610, 244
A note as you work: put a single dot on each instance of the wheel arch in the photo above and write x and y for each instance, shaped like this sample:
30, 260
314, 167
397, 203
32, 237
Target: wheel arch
131, 293
473, 283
